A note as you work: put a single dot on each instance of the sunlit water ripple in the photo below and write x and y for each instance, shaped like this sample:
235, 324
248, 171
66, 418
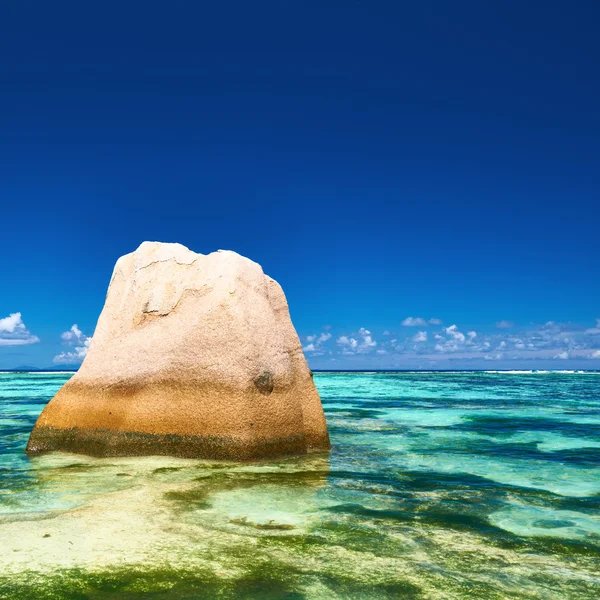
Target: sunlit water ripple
439, 485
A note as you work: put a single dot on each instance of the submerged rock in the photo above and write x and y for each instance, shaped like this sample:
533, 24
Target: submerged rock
193, 356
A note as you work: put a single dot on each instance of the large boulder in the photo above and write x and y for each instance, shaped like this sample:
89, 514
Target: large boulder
193, 356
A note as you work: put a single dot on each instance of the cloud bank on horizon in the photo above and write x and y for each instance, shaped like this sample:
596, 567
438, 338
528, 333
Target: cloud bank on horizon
504, 341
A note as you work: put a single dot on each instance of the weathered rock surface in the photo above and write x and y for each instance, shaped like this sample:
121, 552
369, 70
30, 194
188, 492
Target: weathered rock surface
193, 356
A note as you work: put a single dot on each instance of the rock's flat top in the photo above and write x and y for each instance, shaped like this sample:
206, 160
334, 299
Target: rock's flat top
192, 355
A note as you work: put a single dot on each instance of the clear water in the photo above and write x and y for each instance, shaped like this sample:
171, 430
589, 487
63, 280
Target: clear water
439, 485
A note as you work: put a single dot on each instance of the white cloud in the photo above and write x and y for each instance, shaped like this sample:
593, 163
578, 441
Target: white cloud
352, 345
562, 355
14, 333
504, 324
458, 341
420, 337
414, 322
73, 336
455, 334
420, 322
315, 342
368, 340
10, 323
80, 342
471, 338
596, 354
594, 330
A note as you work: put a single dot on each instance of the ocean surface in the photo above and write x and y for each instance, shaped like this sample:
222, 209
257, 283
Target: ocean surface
438, 486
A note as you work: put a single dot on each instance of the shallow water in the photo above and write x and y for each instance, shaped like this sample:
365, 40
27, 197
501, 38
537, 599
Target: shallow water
439, 485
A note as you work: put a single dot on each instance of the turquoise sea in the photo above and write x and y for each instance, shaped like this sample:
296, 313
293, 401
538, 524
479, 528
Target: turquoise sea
438, 486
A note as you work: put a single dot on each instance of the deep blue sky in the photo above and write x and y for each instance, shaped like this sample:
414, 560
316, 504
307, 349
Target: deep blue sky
381, 160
